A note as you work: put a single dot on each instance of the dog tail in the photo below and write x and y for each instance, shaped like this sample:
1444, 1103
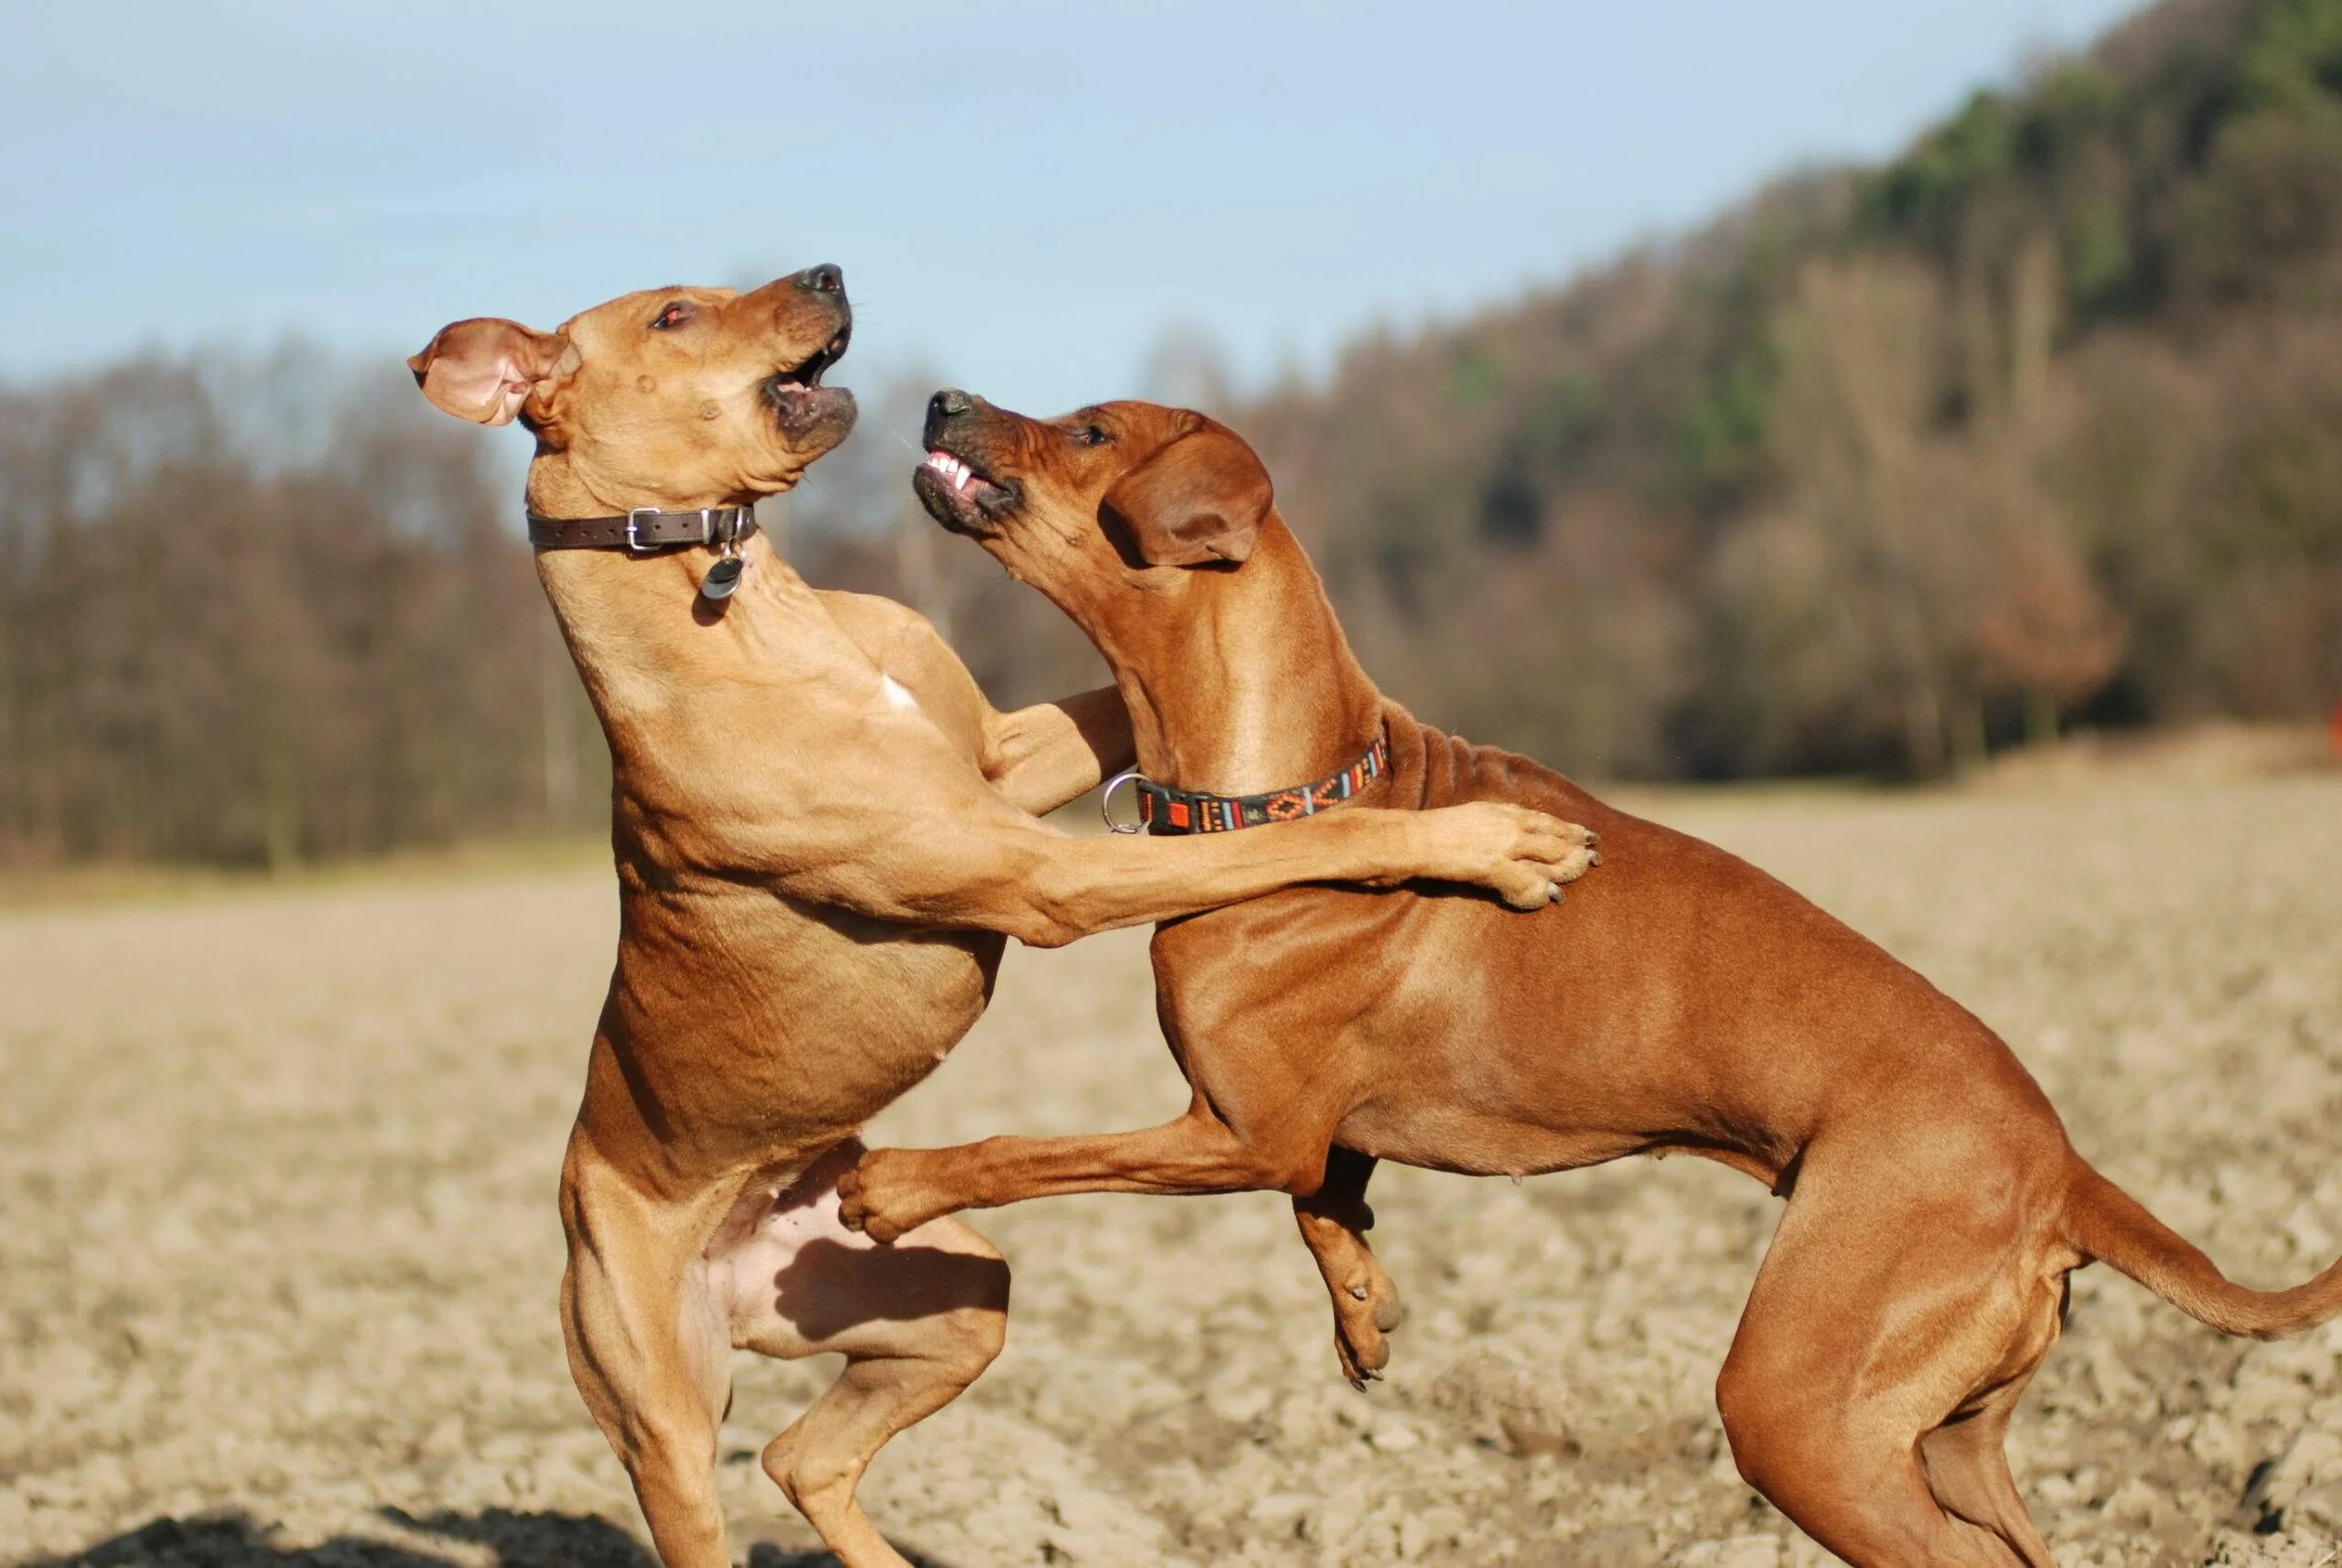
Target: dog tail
2107, 1223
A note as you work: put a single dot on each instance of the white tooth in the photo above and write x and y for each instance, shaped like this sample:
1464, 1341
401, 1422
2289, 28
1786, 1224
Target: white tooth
964, 477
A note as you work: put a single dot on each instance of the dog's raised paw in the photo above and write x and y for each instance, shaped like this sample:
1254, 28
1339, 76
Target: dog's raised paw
858, 1208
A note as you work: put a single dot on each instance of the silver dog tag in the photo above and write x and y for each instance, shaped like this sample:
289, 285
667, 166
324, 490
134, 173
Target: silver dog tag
722, 578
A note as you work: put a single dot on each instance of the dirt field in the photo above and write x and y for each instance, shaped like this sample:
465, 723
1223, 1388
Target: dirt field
278, 1253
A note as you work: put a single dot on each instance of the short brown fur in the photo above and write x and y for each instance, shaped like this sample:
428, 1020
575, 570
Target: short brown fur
824, 836
1680, 1001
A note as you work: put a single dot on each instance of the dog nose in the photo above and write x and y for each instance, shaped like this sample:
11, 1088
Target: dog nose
825, 279
948, 403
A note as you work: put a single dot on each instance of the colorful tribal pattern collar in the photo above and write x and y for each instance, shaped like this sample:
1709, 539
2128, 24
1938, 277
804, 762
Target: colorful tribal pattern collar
1163, 810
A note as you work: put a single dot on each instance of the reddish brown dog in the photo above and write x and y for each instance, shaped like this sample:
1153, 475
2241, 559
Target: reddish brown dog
824, 836
1680, 1001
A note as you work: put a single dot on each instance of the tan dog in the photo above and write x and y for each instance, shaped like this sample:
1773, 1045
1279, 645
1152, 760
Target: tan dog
1682, 1001
823, 834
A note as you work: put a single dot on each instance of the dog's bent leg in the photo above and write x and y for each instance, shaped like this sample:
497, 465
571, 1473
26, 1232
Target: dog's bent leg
1334, 1222
648, 1348
893, 1190
1892, 1301
917, 1322
1968, 1469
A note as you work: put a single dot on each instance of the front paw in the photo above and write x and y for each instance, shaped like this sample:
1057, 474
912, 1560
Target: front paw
1365, 1304
880, 1197
1582, 854
1545, 855
1365, 1310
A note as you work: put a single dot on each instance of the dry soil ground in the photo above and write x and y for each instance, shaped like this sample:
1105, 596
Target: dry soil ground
278, 1252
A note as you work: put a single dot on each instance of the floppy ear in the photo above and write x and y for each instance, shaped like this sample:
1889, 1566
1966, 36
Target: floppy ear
487, 368
1199, 498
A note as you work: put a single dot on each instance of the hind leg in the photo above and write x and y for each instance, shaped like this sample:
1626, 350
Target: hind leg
1874, 1322
1334, 1222
1967, 1465
917, 1322
647, 1346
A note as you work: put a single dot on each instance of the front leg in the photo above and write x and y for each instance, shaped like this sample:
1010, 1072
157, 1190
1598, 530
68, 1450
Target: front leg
973, 863
892, 1191
1042, 757
899, 827
1334, 1222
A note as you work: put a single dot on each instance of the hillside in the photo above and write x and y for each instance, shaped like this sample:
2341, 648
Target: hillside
2039, 424
2041, 421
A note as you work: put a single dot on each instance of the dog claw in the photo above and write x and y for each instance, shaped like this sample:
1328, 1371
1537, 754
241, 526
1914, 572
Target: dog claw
1593, 859
1357, 1293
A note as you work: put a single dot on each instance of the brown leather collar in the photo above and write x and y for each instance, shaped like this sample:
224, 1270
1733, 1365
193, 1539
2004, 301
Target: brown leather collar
645, 528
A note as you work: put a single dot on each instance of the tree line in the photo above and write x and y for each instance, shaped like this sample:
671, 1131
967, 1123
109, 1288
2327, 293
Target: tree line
267, 612
2038, 424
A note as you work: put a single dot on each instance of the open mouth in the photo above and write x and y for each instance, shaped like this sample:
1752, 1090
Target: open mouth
808, 374
792, 391
960, 495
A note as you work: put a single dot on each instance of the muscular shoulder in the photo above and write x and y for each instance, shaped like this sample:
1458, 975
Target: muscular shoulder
878, 625
1435, 769
910, 651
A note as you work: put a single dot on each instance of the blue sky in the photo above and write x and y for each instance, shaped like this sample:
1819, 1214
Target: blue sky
1021, 196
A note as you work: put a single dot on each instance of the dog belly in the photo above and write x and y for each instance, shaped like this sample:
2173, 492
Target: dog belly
1456, 1139
767, 1040
787, 1278
772, 1249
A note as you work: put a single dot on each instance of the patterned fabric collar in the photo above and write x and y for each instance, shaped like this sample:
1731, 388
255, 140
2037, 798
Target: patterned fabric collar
1163, 810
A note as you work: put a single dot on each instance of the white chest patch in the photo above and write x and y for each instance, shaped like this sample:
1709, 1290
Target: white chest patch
897, 694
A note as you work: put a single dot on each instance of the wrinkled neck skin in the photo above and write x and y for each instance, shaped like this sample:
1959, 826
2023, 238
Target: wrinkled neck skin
635, 624
1238, 678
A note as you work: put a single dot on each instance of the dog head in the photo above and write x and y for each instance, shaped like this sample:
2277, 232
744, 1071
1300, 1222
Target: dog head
677, 397
1123, 491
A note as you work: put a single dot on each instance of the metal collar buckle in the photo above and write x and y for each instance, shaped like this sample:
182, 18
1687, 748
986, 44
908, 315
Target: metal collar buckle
1106, 803
634, 519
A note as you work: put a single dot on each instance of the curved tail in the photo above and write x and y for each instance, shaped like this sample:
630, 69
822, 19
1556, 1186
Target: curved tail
2109, 1224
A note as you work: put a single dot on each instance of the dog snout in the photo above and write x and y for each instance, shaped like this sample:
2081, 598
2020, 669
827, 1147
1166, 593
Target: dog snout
827, 278
945, 406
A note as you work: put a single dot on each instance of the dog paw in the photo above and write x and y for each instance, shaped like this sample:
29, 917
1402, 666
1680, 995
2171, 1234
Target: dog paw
1580, 855
1523, 854
872, 1203
1548, 855
1365, 1304
1365, 1311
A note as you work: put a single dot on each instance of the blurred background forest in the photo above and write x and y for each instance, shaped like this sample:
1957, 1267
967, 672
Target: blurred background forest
2036, 426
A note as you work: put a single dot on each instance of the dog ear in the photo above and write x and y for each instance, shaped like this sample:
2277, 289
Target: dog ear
1199, 498
486, 369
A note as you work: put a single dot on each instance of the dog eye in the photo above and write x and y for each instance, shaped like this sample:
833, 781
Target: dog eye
674, 314
1092, 436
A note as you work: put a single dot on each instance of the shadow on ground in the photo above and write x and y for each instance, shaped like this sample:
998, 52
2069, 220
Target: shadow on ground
496, 1538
